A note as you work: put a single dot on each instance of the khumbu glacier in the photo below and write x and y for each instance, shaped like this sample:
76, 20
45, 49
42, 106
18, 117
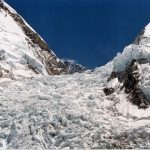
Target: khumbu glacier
43, 106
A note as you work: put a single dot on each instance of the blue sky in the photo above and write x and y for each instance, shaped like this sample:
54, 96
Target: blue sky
88, 31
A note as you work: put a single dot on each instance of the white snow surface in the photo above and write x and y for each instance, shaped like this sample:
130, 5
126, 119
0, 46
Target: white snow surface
15, 52
68, 111
147, 31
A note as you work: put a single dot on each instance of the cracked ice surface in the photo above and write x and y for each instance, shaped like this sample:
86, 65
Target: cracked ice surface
66, 111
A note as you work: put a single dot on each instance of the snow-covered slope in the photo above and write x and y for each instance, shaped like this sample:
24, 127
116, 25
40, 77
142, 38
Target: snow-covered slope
70, 111
106, 108
139, 51
22, 51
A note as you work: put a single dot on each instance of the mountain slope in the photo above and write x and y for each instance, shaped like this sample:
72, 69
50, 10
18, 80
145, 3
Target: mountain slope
22, 51
106, 108
73, 113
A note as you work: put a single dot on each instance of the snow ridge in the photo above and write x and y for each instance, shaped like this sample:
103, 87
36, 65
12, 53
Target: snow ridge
28, 54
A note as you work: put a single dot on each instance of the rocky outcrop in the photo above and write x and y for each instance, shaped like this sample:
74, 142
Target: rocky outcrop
73, 67
108, 91
130, 79
130, 83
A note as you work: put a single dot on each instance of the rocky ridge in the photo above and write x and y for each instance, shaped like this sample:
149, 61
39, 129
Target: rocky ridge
36, 45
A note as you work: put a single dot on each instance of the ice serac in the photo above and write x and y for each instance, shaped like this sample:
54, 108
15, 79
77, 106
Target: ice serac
22, 51
132, 69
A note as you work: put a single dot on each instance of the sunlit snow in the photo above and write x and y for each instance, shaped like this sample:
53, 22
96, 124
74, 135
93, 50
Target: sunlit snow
68, 111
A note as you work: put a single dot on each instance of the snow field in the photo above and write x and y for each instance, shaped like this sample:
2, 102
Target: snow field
66, 112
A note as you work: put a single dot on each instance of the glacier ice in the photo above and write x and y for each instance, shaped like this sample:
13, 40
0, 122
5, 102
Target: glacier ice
71, 111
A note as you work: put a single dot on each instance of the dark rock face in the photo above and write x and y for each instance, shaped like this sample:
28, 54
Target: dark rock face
108, 91
72, 67
130, 83
130, 79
